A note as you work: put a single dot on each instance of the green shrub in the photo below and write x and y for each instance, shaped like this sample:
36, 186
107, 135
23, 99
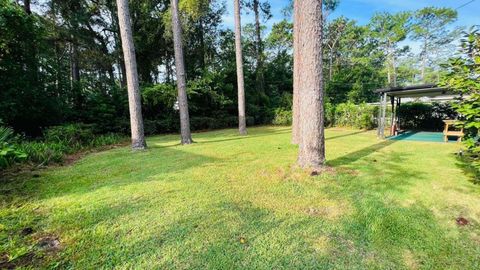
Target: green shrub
329, 109
423, 116
282, 117
73, 135
106, 139
9, 154
43, 153
343, 115
356, 116
58, 141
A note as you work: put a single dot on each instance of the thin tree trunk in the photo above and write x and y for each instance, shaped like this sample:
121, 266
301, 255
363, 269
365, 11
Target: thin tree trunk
134, 98
242, 125
168, 67
75, 64
203, 52
312, 146
296, 75
260, 80
118, 46
394, 71
424, 61
27, 6
181, 76
330, 66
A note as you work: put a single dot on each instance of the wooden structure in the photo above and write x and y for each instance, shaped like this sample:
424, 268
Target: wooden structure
452, 133
394, 95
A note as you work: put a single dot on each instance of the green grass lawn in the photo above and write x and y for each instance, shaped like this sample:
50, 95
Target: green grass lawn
239, 202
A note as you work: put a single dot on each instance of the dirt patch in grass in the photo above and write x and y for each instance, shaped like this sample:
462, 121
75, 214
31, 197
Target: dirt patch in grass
49, 243
71, 159
409, 260
330, 211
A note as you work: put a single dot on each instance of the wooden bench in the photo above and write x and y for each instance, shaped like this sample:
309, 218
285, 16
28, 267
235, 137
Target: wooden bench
452, 133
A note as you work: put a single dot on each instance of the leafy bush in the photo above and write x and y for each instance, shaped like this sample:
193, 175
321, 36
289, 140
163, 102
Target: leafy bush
329, 114
106, 139
282, 117
9, 154
343, 115
423, 116
43, 153
463, 78
74, 136
358, 116
58, 141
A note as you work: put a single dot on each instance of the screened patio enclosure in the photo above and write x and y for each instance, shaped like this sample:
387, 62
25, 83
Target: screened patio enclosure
395, 95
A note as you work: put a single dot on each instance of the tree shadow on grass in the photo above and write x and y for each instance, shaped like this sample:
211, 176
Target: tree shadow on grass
112, 169
345, 135
233, 235
253, 135
386, 229
359, 154
222, 135
204, 238
468, 169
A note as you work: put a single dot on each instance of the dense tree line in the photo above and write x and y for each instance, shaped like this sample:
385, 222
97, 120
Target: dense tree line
62, 61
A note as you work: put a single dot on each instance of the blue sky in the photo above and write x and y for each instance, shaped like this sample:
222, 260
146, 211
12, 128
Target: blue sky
362, 10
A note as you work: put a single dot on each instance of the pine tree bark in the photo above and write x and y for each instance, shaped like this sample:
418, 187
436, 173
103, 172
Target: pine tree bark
134, 98
312, 145
186, 137
242, 124
296, 76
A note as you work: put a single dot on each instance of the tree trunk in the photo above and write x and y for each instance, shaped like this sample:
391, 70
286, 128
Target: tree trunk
260, 80
296, 75
242, 125
181, 76
330, 66
312, 146
168, 68
75, 66
27, 6
394, 71
118, 46
134, 98
203, 52
424, 60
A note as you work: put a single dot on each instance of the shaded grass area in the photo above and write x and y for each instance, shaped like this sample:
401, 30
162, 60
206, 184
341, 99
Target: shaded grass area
239, 202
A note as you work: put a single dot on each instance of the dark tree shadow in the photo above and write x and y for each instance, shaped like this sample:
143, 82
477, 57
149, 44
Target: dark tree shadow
359, 154
345, 135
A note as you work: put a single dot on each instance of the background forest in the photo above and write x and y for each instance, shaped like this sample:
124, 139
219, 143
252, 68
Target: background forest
61, 62
62, 69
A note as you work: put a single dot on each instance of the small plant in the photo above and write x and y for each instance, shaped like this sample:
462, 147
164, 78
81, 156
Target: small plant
9, 154
282, 117
73, 135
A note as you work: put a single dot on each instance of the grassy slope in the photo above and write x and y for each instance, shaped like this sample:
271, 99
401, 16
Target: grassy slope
389, 205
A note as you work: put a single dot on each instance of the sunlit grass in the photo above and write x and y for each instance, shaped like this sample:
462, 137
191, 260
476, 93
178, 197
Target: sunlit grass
239, 202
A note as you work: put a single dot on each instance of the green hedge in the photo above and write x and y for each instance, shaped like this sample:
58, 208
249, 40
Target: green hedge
413, 116
356, 116
342, 115
423, 116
